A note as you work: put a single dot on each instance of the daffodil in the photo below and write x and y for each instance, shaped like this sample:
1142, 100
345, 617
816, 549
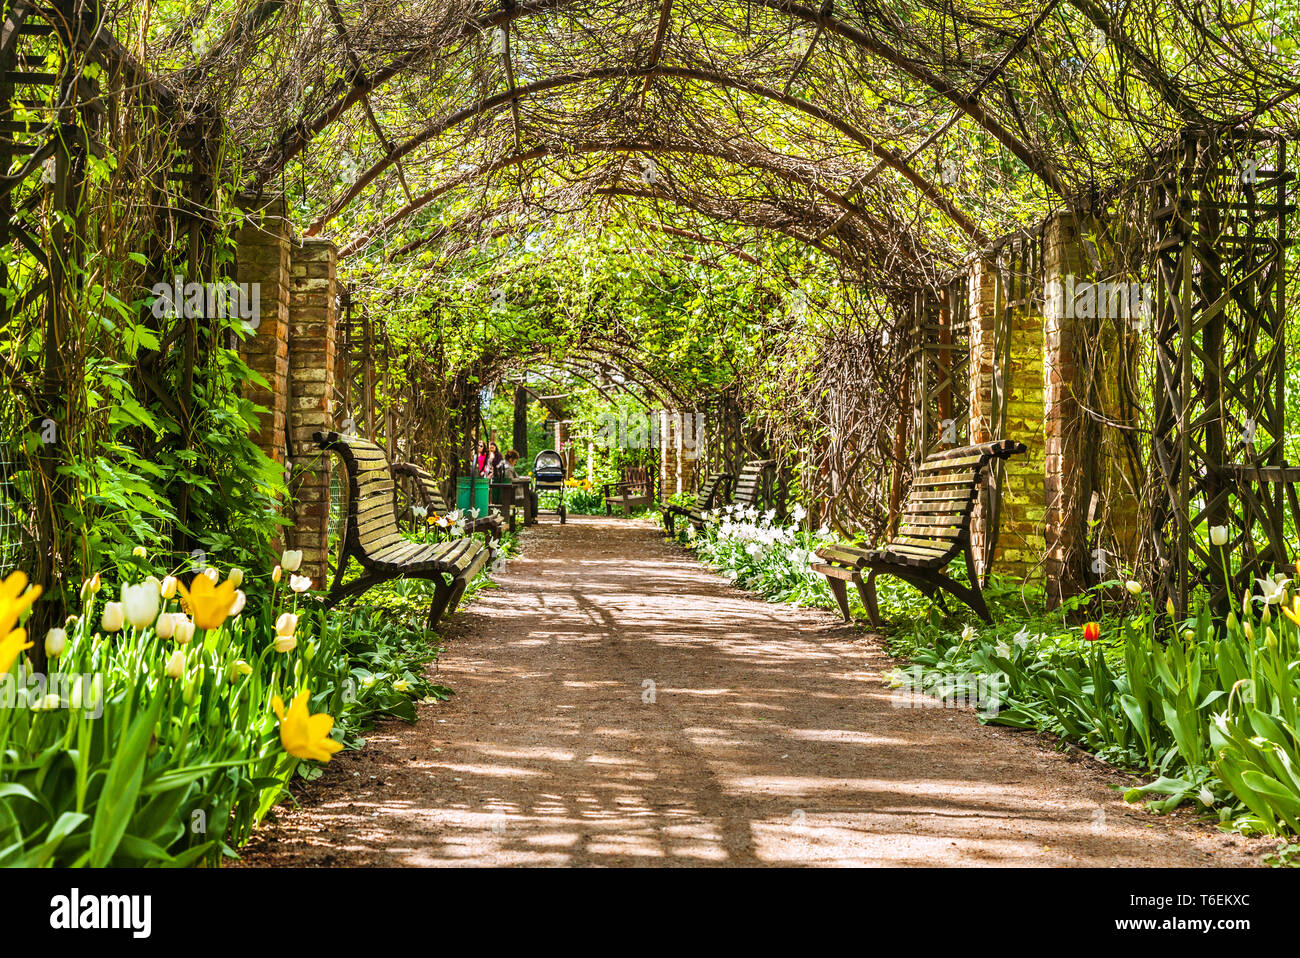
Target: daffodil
209, 604
302, 734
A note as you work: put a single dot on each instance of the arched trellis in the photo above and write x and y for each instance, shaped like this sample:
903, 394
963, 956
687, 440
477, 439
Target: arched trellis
924, 187
360, 84
469, 224
617, 146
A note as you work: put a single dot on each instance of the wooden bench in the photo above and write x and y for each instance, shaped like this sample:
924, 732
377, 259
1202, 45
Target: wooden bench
425, 489
749, 491
713, 489
374, 539
934, 530
636, 488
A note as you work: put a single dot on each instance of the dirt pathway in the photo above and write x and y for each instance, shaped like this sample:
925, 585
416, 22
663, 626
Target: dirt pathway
617, 704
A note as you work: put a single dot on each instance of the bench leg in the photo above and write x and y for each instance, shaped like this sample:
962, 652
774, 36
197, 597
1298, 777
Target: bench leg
867, 592
841, 593
457, 591
977, 594
668, 523
441, 596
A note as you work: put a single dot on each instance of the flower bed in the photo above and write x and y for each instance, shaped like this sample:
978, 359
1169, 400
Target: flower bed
171, 717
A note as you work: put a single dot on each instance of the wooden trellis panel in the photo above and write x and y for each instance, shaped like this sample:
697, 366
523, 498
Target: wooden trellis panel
940, 338
1218, 441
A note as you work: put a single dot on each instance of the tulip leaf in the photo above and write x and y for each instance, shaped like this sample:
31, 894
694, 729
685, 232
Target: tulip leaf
122, 785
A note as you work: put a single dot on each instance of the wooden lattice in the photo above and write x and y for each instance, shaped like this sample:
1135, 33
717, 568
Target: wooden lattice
1219, 422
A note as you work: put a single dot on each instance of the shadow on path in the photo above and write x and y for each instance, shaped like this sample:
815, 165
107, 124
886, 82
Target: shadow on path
617, 704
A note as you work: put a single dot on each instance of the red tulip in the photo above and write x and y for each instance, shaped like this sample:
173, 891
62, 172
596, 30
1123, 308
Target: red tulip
1091, 631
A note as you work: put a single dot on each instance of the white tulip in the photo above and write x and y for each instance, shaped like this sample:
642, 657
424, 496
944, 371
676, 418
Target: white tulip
1218, 535
236, 578
165, 626
140, 603
291, 560
113, 617
299, 583
1134, 588
176, 665
285, 643
184, 627
241, 600
276, 573
286, 625
167, 589
212, 574
56, 640
1274, 590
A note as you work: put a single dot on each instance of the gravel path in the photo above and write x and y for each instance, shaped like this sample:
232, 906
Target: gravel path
617, 704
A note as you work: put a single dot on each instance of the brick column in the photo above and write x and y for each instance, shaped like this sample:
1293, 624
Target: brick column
312, 324
1020, 544
1082, 459
262, 257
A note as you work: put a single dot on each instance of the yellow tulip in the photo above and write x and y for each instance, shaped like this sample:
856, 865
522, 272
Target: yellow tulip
1293, 613
14, 601
10, 646
208, 604
304, 735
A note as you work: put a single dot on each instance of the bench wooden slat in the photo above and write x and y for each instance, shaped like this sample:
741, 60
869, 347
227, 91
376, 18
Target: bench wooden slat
374, 537
934, 528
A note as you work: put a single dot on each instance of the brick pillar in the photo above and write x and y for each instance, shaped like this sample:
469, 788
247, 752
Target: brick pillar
262, 257
312, 323
1082, 459
667, 455
1020, 543
982, 299
687, 457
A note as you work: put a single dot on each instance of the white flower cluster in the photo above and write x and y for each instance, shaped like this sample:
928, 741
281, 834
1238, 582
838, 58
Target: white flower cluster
757, 534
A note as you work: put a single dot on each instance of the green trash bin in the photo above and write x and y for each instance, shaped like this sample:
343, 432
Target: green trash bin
480, 495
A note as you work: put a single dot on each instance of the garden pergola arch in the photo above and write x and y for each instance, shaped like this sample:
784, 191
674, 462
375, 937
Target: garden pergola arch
932, 193
617, 146
360, 84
